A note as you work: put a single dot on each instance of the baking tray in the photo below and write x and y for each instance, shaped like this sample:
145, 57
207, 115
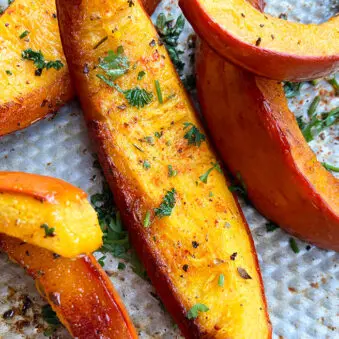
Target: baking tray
301, 289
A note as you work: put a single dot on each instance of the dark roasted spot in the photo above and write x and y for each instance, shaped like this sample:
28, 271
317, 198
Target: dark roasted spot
38, 72
258, 42
8, 314
56, 256
233, 256
27, 304
243, 273
195, 244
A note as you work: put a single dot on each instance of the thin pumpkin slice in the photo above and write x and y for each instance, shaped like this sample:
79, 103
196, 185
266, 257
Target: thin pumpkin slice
34, 78
258, 138
265, 45
182, 219
49, 213
78, 290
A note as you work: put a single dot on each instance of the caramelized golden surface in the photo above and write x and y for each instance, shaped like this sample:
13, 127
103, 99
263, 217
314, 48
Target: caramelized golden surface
192, 247
38, 17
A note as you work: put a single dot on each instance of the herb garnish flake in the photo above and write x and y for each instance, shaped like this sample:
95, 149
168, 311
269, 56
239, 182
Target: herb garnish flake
193, 135
167, 205
193, 313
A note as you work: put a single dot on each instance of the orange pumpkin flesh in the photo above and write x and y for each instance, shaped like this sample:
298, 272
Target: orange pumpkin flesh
33, 204
78, 290
265, 45
184, 273
257, 136
27, 98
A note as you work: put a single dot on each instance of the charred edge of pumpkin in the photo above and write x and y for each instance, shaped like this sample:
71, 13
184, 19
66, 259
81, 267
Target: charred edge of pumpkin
95, 271
154, 266
91, 266
28, 109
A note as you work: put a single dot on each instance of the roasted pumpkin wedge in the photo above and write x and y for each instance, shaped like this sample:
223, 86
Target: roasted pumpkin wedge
34, 78
258, 137
49, 213
182, 219
78, 290
265, 45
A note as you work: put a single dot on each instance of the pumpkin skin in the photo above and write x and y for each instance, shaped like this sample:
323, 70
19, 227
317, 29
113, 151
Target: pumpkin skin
186, 250
265, 45
257, 136
27, 98
78, 290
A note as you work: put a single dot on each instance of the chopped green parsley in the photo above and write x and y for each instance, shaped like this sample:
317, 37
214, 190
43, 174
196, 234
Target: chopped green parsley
138, 97
167, 205
24, 34
330, 167
334, 83
158, 134
204, 176
121, 266
39, 61
141, 74
146, 165
193, 313
221, 280
49, 315
193, 135
159, 92
294, 245
292, 89
49, 231
115, 64
317, 123
169, 32
147, 220
115, 237
101, 261
271, 226
171, 171
240, 187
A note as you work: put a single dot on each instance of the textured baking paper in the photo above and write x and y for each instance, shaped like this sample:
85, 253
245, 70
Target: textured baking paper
302, 289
